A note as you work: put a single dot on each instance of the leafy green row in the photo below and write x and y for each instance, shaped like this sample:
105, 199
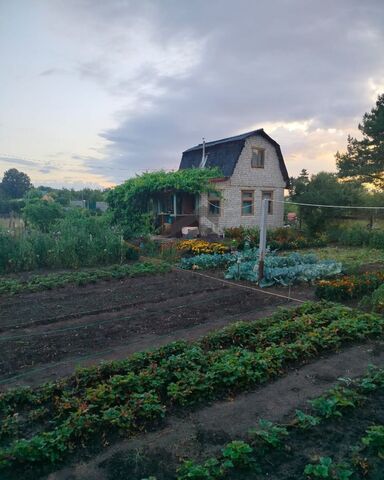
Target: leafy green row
54, 280
241, 455
127, 396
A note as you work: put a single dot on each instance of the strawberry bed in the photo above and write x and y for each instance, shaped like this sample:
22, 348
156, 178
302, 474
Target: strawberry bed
44, 425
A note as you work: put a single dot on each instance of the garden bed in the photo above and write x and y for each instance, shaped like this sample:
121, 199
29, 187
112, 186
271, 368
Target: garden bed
136, 394
113, 319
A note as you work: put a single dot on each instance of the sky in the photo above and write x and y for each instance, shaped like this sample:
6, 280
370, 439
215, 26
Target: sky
93, 92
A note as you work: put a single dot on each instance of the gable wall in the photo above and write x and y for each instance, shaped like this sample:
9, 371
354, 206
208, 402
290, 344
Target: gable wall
245, 177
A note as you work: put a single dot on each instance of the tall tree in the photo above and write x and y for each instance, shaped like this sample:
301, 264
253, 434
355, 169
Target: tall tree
15, 184
364, 159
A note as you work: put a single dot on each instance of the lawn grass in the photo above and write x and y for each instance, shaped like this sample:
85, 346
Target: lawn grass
352, 258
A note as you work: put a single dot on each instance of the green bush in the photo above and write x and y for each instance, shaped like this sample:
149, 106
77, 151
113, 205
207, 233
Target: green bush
377, 300
357, 236
8, 206
42, 214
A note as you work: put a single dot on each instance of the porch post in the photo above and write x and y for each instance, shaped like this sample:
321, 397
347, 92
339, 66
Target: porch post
174, 205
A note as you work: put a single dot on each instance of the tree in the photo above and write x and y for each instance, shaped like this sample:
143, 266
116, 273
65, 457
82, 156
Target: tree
42, 214
364, 159
15, 184
324, 189
299, 184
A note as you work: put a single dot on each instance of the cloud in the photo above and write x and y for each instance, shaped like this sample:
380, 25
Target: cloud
221, 68
176, 71
51, 71
19, 160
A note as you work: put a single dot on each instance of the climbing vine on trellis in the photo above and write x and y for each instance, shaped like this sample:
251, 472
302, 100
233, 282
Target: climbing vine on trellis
129, 201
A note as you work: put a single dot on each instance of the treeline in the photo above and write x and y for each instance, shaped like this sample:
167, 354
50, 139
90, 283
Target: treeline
16, 190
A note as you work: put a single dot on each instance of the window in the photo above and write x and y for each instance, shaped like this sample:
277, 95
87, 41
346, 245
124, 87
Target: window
268, 196
247, 202
257, 160
213, 204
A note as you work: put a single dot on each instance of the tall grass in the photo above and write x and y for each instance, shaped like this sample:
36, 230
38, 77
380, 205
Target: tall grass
77, 240
357, 236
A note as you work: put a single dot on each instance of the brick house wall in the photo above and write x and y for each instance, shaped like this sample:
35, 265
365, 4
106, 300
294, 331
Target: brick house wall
245, 177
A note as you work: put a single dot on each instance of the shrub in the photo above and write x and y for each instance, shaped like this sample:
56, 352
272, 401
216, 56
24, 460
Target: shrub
42, 214
377, 299
357, 236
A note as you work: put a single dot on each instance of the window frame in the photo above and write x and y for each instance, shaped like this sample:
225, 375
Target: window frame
216, 198
252, 192
270, 203
259, 150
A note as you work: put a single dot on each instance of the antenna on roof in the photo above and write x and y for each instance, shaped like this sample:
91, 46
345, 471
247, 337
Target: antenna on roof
203, 157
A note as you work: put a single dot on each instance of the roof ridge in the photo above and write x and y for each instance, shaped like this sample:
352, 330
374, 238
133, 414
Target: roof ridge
241, 136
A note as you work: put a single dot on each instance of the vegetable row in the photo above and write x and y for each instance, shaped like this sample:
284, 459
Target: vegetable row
242, 456
131, 395
54, 280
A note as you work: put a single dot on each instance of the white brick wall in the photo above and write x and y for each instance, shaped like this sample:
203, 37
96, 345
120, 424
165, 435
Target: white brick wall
245, 177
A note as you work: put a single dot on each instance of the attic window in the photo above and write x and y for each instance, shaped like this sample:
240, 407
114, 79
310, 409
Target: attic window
257, 160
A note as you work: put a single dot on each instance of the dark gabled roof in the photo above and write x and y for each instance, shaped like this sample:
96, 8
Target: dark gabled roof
225, 153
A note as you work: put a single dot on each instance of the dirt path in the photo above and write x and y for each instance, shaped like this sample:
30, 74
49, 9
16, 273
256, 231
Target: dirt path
45, 335
203, 432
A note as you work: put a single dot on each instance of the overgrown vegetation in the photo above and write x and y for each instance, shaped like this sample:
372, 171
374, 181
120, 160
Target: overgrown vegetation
130, 395
76, 240
356, 236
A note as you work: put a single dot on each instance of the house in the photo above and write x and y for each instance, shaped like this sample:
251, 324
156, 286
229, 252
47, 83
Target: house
253, 168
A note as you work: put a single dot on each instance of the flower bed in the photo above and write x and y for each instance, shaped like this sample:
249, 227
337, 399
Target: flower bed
131, 395
349, 286
198, 247
277, 239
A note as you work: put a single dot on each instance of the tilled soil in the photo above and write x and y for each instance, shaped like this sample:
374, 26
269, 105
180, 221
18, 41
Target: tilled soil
43, 335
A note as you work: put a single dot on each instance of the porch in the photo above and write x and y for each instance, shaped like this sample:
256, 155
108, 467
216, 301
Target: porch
175, 210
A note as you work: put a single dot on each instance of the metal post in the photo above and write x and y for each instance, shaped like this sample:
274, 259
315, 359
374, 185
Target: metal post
263, 236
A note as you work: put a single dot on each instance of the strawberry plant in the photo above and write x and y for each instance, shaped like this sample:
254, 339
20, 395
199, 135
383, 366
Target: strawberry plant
325, 468
272, 435
305, 421
374, 440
